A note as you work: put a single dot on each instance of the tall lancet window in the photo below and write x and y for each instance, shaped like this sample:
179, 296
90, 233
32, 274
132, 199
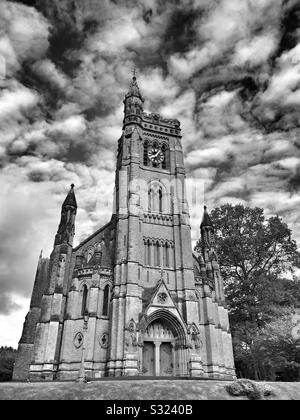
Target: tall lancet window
157, 254
146, 252
156, 199
160, 200
149, 252
165, 164
106, 293
150, 199
84, 292
146, 146
167, 255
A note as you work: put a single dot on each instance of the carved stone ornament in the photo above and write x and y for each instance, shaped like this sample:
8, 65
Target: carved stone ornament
104, 341
78, 340
131, 342
95, 282
162, 297
195, 342
128, 131
116, 292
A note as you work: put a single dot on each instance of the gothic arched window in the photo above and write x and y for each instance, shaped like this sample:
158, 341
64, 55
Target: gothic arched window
146, 146
84, 292
160, 199
146, 252
165, 163
157, 198
149, 252
89, 254
106, 300
167, 256
157, 255
164, 255
150, 199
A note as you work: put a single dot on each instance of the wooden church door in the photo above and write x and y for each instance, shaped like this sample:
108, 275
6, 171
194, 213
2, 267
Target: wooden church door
166, 365
149, 359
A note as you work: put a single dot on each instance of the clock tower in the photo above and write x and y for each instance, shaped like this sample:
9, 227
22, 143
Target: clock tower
158, 330
133, 299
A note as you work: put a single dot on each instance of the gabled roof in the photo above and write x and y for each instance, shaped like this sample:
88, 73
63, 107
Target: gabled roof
162, 300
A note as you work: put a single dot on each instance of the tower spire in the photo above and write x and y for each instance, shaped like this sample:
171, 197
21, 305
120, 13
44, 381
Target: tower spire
134, 72
133, 102
134, 90
70, 199
206, 220
66, 229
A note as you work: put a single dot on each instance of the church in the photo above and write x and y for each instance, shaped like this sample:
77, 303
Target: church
133, 299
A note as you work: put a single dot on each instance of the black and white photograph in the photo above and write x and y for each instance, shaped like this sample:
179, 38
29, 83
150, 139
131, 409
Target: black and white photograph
149, 202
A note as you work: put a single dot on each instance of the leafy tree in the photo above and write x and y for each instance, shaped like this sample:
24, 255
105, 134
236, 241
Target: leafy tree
277, 348
258, 259
7, 359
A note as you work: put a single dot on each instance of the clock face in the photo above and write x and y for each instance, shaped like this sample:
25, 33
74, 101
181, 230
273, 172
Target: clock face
156, 155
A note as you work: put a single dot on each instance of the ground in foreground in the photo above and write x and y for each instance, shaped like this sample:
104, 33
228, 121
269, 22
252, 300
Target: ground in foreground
135, 389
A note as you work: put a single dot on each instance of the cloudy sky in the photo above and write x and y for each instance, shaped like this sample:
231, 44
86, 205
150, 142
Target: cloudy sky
229, 70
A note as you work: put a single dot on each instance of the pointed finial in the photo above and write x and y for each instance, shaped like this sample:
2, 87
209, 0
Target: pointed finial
206, 220
40, 258
70, 199
134, 89
134, 72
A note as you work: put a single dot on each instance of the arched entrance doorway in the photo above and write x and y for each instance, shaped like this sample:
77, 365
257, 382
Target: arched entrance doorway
158, 350
163, 350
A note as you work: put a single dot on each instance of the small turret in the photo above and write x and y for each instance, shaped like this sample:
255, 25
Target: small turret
79, 259
133, 103
134, 90
98, 254
66, 229
207, 230
208, 259
206, 220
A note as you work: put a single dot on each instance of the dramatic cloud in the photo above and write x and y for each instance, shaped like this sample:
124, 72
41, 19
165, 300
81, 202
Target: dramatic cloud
24, 35
229, 70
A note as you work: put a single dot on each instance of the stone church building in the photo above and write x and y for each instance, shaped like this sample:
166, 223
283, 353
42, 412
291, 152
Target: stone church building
132, 299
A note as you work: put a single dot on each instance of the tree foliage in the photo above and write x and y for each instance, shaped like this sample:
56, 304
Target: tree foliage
259, 260
7, 359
